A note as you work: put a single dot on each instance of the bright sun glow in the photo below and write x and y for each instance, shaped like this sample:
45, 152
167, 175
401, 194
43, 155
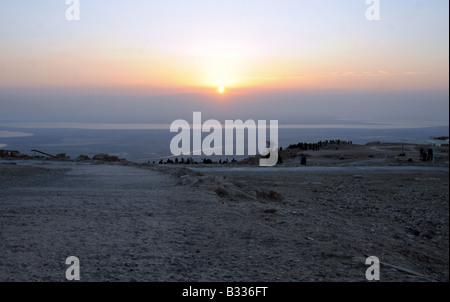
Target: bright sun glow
221, 89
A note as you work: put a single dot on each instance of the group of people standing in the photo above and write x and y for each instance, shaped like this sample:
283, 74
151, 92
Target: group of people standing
316, 146
426, 155
176, 161
190, 160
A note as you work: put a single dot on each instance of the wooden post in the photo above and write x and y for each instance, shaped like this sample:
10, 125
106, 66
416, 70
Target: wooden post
434, 155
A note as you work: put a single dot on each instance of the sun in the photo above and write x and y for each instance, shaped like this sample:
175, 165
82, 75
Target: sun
221, 90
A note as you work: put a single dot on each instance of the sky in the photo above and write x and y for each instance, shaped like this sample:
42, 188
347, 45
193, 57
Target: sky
153, 61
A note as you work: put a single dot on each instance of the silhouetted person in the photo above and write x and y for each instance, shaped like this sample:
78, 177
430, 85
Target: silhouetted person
424, 156
303, 160
280, 160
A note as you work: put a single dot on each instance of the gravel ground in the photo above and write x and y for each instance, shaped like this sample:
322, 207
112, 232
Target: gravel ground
129, 223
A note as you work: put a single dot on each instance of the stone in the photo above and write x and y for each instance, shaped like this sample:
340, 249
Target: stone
270, 211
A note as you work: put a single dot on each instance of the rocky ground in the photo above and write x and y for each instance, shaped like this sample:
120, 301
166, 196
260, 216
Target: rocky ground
234, 223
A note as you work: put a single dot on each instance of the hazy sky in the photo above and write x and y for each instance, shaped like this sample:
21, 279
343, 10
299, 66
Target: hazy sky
315, 56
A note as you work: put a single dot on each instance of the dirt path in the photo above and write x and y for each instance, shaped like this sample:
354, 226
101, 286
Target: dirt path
123, 223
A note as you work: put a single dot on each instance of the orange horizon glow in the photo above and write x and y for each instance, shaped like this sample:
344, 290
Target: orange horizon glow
186, 74
181, 75
249, 54
212, 68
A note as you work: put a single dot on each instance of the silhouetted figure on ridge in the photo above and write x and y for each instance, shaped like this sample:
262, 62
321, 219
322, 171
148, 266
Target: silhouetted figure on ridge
303, 160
